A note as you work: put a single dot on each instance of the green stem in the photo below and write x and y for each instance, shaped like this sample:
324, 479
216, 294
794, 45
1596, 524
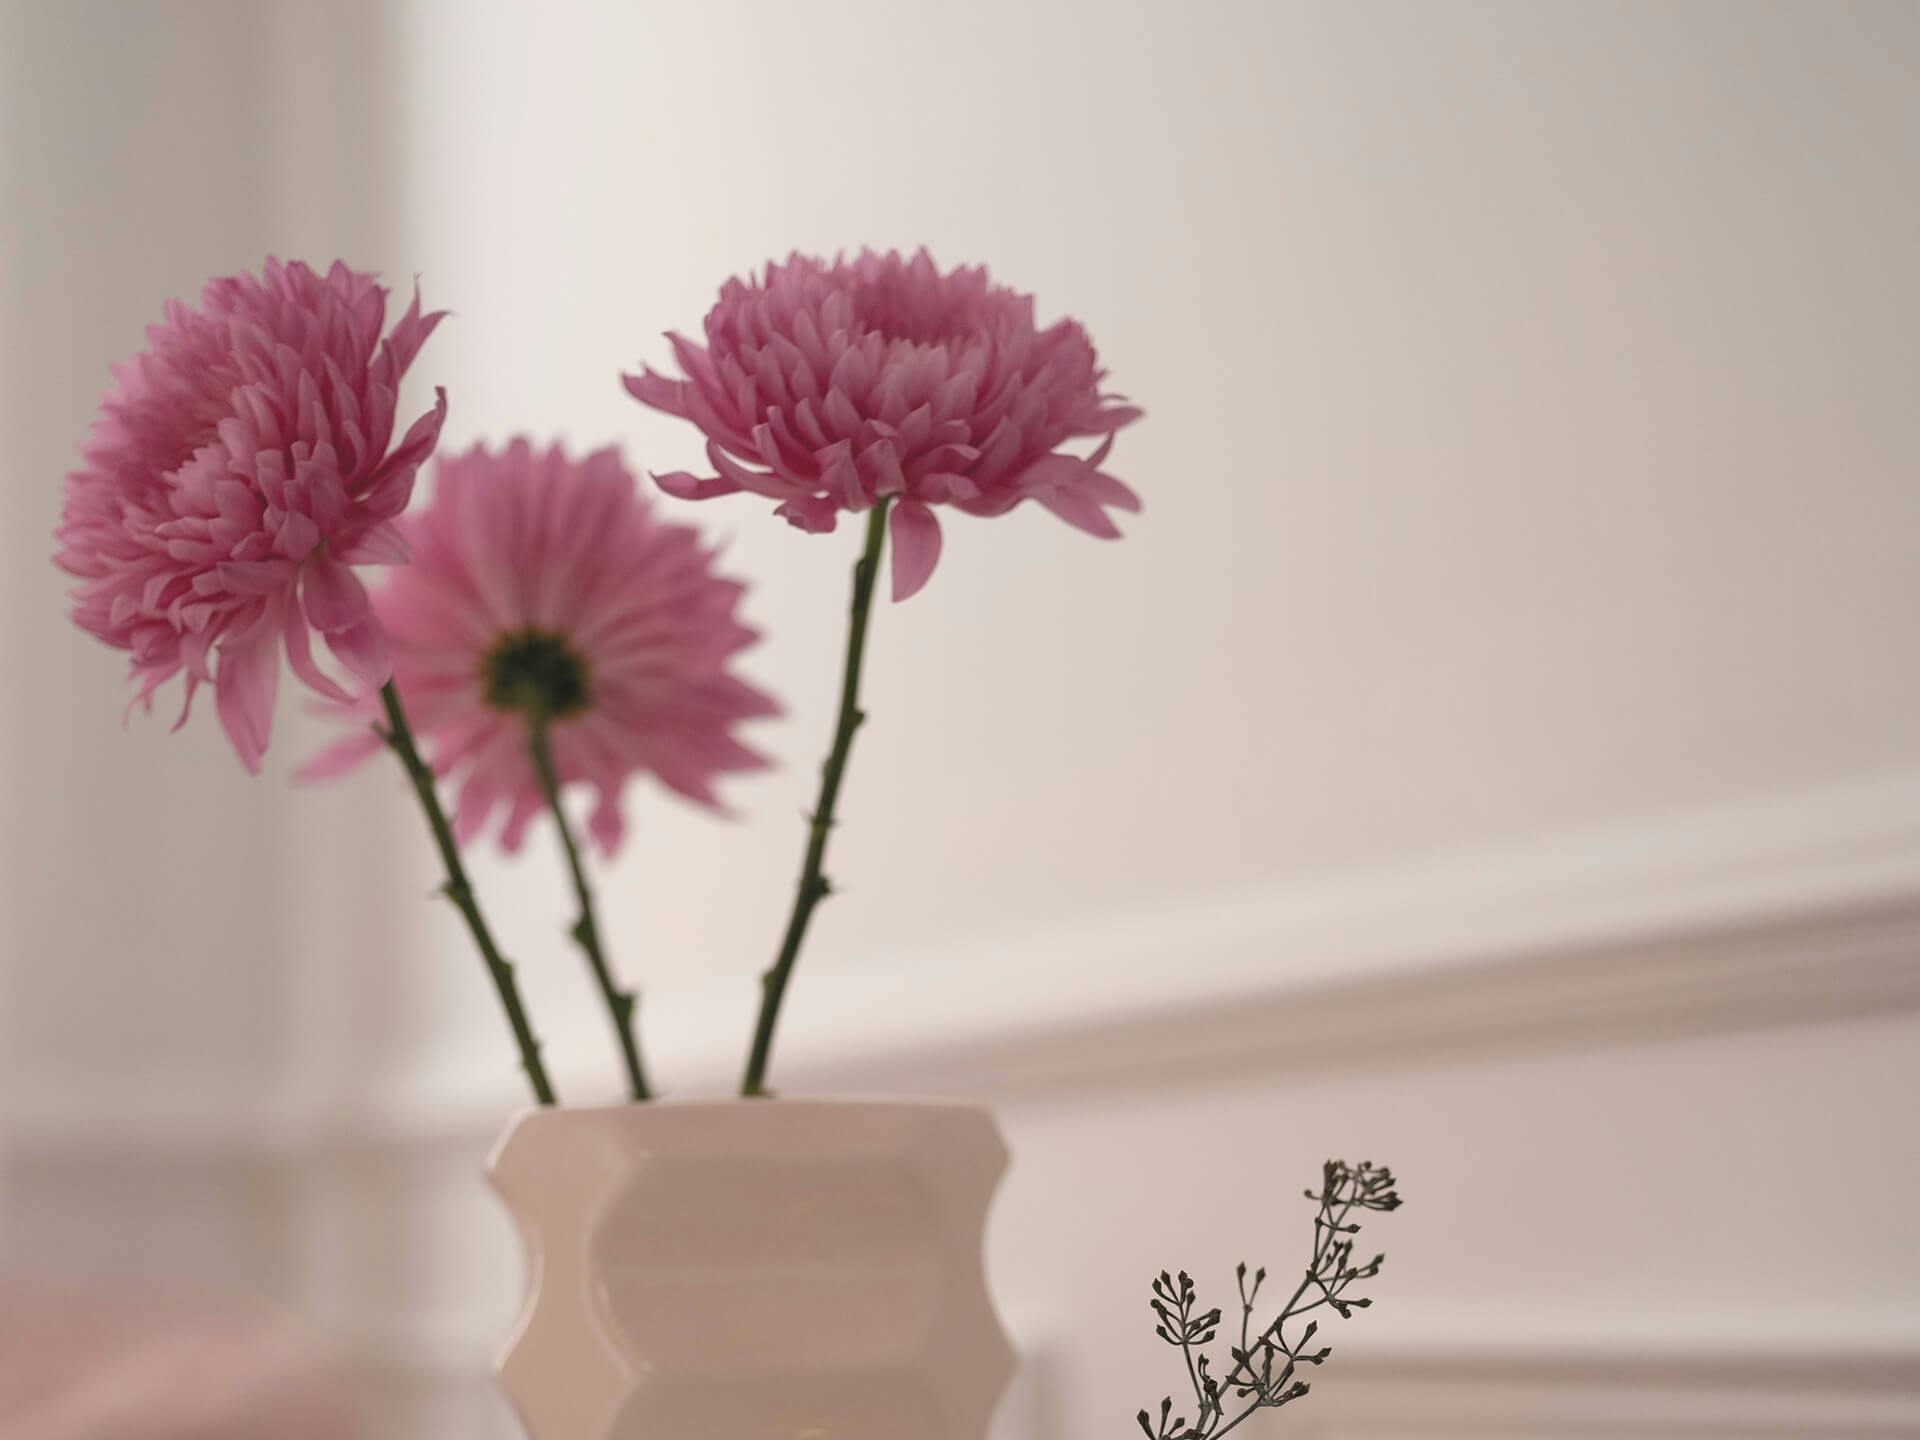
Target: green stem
586, 930
399, 738
814, 886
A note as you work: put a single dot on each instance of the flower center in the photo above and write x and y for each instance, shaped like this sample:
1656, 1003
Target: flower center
537, 672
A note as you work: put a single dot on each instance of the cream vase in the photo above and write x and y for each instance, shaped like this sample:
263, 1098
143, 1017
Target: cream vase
754, 1270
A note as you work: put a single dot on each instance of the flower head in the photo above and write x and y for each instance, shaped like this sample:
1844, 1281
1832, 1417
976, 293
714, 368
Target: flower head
544, 592
238, 466
835, 387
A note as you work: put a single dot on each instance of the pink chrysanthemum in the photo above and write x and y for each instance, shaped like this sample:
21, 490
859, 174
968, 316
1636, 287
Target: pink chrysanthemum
239, 465
831, 387
543, 590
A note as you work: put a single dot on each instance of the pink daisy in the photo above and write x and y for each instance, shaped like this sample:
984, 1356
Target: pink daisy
543, 590
833, 387
239, 465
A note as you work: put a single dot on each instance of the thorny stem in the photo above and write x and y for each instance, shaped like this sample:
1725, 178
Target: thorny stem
398, 736
814, 886
586, 929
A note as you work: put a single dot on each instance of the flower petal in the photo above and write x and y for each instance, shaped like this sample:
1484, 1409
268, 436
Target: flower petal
410, 332
774, 487
382, 544
332, 595
341, 756
1107, 490
814, 514
607, 825
685, 486
916, 547
297, 536
392, 483
300, 657
256, 577
653, 389
1080, 511
244, 689
363, 649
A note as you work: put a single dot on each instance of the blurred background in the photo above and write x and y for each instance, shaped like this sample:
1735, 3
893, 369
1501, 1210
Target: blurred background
1494, 751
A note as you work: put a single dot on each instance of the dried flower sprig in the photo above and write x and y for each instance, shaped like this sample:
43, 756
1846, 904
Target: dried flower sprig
1264, 1374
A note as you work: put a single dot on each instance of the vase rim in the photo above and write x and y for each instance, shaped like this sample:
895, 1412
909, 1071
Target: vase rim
659, 1121
735, 1104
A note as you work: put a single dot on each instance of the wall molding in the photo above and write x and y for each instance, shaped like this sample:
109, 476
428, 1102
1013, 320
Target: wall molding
1501, 1387
1847, 962
1802, 907
1799, 908
1433, 1392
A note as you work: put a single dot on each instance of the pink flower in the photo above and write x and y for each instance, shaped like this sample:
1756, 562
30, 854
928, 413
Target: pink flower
832, 387
239, 465
543, 589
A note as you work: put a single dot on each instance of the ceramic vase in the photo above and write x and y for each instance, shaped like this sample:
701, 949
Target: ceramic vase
754, 1270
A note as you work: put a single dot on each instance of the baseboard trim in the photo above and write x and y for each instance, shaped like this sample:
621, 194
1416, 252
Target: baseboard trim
1699, 1385
1694, 1391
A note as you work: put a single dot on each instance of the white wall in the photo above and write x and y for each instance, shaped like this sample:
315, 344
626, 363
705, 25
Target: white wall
1495, 745
1526, 450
